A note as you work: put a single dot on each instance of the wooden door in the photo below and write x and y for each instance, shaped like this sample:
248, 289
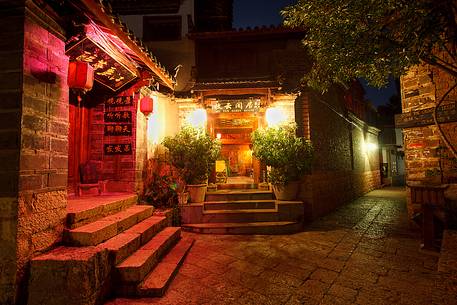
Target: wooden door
77, 142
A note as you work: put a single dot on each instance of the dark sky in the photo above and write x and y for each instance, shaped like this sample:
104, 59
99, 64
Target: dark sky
251, 13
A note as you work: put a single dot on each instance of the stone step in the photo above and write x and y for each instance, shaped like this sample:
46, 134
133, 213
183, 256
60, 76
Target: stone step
234, 195
231, 186
285, 211
261, 228
134, 268
124, 244
83, 210
96, 232
157, 281
69, 275
239, 205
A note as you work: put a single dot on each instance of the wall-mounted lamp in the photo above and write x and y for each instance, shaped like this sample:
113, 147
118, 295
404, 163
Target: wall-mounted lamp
370, 147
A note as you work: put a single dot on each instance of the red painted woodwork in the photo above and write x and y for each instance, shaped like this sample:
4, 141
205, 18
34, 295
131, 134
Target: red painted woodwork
147, 105
78, 137
80, 75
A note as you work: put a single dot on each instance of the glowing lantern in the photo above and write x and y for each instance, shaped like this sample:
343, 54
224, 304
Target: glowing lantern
80, 75
147, 105
275, 116
197, 118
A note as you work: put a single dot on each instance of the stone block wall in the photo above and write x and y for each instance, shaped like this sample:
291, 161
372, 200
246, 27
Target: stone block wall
421, 88
324, 191
34, 132
343, 169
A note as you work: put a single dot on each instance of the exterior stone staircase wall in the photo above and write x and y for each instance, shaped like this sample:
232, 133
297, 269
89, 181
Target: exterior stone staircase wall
119, 249
243, 212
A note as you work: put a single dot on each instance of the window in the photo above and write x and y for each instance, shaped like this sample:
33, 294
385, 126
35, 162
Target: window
161, 28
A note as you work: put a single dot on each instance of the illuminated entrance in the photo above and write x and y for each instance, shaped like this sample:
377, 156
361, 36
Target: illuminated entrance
232, 119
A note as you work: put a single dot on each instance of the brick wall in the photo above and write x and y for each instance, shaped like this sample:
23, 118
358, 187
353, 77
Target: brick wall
343, 170
34, 123
44, 150
119, 170
421, 88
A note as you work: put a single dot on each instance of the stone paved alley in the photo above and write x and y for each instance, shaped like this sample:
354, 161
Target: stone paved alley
363, 253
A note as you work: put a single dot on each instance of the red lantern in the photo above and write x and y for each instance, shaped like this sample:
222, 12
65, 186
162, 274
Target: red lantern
146, 105
80, 75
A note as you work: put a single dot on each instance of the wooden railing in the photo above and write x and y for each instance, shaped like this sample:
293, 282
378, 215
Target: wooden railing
431, 198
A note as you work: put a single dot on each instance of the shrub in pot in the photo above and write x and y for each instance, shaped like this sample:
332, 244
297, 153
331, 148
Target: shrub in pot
193, 153
289, 156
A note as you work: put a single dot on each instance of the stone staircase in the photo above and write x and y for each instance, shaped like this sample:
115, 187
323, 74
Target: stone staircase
113, 249
243, 211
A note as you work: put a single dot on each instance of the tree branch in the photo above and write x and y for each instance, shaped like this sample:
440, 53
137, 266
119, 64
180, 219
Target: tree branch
435, 120
439, 66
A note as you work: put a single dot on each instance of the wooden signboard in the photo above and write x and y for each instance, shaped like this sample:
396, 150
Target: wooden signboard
118, 116
119, 101
118, 149
118, 130
446, 113
240, 105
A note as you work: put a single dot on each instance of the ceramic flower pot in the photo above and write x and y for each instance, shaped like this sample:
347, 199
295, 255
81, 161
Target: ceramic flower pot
288, 191
197, 192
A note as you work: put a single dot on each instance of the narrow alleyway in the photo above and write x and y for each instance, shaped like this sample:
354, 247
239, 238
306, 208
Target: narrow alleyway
363, 253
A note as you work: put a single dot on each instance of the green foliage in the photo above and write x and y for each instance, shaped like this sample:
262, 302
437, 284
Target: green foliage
289, 156
373, 39
160, 191
193, 153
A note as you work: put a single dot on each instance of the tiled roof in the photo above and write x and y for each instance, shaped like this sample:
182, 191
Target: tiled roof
142, 7
235, 84
241, 32
102, 13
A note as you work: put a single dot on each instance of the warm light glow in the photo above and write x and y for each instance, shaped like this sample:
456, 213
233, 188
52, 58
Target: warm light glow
220, 166
219, 136
370, 147
156, 122
197, 118
275, 116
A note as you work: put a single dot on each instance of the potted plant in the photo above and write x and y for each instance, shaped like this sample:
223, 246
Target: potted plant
193, 153
289, 156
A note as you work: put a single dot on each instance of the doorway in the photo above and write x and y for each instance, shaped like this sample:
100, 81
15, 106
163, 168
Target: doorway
234, 131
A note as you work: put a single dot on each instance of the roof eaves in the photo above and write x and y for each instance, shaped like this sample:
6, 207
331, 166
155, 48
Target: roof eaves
105, 15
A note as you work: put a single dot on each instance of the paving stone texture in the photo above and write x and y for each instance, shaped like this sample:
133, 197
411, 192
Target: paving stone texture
363, 253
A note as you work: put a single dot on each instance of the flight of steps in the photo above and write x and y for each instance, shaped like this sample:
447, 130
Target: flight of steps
243, 210
124, 251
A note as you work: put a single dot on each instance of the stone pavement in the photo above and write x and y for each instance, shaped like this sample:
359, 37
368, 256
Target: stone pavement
363, 253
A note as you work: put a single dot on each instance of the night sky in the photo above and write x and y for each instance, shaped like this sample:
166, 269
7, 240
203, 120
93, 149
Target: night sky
251, 13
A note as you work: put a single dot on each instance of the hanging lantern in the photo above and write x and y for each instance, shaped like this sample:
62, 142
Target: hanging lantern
146, 105
80, 75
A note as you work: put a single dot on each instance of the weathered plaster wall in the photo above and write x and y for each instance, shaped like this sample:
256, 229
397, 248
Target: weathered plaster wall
34, 135
343, 169
421, 88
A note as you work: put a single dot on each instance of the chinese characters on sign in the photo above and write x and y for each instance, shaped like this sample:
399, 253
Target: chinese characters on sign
118, 130
244, 105
423, 117
118, 149
119, 101
118, 116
